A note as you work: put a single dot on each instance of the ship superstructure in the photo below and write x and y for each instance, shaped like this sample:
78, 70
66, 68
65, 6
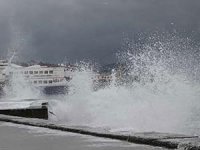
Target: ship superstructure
3, 65
51, 79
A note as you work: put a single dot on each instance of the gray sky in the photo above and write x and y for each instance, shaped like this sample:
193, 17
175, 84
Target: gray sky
73, 30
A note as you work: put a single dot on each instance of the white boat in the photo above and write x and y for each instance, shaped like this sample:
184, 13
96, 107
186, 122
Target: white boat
3, 65
49, 79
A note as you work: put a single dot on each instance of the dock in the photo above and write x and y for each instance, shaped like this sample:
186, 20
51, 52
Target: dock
166, 140
29, 108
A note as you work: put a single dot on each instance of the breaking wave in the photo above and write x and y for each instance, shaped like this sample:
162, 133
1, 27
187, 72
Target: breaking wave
158, 89
19, 88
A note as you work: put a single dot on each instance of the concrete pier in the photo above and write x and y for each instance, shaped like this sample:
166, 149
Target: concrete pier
37, 138
25, 108
167, 140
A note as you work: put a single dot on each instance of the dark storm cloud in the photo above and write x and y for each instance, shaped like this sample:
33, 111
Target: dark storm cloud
54, 30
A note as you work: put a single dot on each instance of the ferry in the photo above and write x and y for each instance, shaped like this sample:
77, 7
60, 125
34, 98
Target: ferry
3, 65
50, 79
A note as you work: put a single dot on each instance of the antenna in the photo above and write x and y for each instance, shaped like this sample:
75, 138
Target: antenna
12, 57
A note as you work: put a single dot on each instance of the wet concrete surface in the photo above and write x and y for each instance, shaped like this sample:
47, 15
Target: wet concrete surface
21, 137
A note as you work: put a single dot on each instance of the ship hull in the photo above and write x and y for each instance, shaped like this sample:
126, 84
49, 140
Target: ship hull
55, 90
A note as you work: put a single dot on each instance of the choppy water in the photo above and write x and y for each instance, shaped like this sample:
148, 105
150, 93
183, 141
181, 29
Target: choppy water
165, 96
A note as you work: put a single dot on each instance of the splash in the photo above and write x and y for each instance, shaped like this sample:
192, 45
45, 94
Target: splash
158, 90
19, 87
71, 108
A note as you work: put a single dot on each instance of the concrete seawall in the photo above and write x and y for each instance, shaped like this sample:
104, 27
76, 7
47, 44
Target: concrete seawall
171, 141
29, 108
41, 113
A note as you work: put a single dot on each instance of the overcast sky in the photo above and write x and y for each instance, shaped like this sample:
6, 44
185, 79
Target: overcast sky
74, 30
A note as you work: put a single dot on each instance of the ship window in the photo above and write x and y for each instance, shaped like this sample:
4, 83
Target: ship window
35, 82
25, 72
56, 80
50, 81
40, 82
30, 72
51, 72
41, 72
45, 82
45, 72
35, 72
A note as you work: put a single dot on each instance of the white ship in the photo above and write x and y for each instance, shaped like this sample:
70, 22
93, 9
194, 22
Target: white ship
49, 79
3, 65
